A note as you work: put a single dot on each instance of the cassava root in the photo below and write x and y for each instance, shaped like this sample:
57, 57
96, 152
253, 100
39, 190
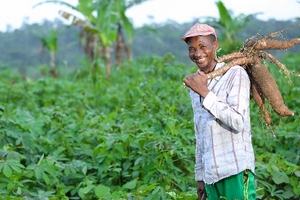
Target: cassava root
265, 44
259, 99
266, 83
239, 61
263, 84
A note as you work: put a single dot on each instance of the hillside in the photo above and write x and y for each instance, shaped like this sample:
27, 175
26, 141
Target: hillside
21, 48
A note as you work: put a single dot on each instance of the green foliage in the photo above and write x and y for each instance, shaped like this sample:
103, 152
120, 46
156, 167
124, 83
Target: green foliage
165, 39
118, 138
278, 161
50, 41
129, 136
100, 17
229, 26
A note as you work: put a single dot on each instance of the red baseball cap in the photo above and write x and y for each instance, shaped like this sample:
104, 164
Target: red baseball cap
199, 29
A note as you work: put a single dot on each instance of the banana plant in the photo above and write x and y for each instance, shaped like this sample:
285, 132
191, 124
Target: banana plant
231, 26
50, 42
103, 23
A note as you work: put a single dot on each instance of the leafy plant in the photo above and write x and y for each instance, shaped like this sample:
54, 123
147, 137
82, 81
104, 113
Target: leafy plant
127, 137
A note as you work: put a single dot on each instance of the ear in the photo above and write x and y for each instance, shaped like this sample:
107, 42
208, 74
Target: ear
216, 45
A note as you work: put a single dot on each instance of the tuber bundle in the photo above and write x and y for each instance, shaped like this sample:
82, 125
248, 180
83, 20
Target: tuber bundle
263, 84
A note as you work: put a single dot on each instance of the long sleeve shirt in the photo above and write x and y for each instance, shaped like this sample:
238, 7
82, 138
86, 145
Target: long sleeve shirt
222, 127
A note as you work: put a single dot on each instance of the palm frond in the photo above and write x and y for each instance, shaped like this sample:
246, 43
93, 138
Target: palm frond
56, 1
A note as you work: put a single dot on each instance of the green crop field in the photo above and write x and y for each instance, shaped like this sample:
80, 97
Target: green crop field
127, 136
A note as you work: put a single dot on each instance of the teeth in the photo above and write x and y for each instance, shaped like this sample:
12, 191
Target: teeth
199, 59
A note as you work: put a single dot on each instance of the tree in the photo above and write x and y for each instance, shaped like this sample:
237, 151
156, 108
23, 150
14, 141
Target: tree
103, 23
50, 42
230, 26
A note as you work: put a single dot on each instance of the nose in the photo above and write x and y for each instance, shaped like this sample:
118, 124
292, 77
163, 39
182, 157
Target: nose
197, 53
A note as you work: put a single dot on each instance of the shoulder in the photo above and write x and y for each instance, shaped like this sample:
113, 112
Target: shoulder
233, 73
233, 68
236, 74
238, 70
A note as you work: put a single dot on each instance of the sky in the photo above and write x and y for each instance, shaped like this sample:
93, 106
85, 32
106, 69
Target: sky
15, 12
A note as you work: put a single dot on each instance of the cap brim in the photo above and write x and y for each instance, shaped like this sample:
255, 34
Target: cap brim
196, 34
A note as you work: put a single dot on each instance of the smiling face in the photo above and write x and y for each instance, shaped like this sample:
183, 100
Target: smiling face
202, 51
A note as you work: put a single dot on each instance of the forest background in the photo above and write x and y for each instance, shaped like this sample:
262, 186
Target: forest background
71, 130
21, 49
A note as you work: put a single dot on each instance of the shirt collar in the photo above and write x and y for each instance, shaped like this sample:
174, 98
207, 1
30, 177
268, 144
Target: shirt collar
218, 66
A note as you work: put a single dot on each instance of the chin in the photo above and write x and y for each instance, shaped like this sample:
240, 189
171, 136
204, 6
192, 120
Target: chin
202, 67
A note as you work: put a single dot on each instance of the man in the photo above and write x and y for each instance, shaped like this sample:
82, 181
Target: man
224, 154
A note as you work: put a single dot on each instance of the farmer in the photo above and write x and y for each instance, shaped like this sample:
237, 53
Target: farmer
224, 154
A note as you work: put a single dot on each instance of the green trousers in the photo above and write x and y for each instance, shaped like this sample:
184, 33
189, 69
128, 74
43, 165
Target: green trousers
237, 187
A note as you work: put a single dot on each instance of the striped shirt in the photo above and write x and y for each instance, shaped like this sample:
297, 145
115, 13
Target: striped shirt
222, 127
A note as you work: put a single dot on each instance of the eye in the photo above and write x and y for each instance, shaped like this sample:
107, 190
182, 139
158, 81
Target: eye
203, 47
191, 49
